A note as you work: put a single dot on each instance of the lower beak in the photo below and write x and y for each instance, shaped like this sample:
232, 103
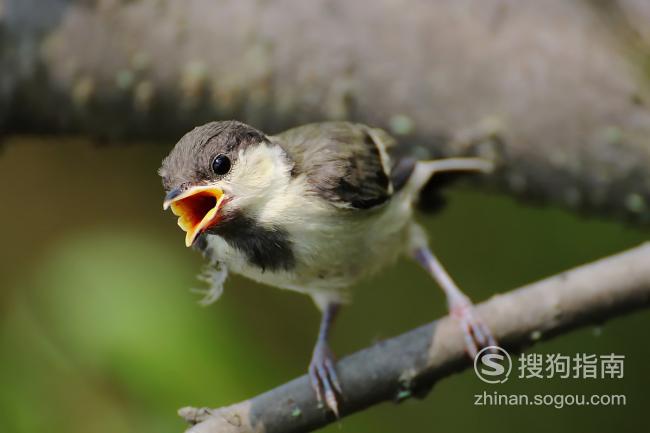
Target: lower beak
197, 209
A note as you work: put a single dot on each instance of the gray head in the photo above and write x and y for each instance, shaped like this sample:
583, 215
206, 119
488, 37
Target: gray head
191, 161
217, 170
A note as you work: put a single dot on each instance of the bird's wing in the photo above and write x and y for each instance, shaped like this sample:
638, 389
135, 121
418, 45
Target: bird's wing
347, 164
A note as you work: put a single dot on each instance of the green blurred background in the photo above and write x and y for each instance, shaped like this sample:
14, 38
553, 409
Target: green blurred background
99, 331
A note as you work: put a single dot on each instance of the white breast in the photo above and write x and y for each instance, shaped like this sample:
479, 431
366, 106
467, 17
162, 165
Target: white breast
333, 247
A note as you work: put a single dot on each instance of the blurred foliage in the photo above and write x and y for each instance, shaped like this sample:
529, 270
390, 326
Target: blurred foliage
99, 332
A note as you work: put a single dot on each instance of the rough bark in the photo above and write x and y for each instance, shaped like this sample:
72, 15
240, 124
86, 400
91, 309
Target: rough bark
558, 90
410, 364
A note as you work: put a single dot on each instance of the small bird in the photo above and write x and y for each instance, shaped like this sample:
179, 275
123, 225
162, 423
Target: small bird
313, 209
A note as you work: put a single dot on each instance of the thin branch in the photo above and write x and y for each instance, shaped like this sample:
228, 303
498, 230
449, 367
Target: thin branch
410, 364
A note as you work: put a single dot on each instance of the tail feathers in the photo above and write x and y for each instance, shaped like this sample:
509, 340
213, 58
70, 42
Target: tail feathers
432, 197
429, 178
424, 170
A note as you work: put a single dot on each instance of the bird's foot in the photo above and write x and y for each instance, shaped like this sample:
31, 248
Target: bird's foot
476, 333
322, 372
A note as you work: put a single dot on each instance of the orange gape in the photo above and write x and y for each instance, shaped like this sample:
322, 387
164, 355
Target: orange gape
197, 209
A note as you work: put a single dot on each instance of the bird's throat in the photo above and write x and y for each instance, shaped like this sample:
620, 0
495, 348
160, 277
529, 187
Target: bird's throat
197, 210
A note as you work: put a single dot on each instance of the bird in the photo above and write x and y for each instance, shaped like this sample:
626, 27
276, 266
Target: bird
313, 209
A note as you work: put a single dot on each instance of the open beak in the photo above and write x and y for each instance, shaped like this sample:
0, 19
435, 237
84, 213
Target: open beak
197, 208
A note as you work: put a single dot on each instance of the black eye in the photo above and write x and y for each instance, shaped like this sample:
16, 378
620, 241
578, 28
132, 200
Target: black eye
221, 164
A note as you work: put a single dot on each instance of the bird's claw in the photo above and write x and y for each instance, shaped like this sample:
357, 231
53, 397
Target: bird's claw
475, 332
324, 380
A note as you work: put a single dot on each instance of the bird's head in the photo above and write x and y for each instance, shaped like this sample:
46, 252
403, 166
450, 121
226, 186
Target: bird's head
220, 170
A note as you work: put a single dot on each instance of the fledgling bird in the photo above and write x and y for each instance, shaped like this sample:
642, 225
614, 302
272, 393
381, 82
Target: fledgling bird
313, 209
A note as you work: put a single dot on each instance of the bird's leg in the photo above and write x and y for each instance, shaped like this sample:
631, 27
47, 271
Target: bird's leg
322, 370
476, 333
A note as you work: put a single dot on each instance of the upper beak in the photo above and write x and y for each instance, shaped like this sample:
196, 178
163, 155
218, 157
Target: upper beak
197, 208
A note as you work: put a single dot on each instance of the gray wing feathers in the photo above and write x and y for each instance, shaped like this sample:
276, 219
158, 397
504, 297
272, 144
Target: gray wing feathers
345, 163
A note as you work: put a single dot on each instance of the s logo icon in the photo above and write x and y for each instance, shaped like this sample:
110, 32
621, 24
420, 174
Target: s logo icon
492, 364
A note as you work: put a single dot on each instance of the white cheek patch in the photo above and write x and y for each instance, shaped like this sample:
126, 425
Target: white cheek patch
259, 171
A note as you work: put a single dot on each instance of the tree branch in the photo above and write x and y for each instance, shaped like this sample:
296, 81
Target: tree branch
410, 364
557, 91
